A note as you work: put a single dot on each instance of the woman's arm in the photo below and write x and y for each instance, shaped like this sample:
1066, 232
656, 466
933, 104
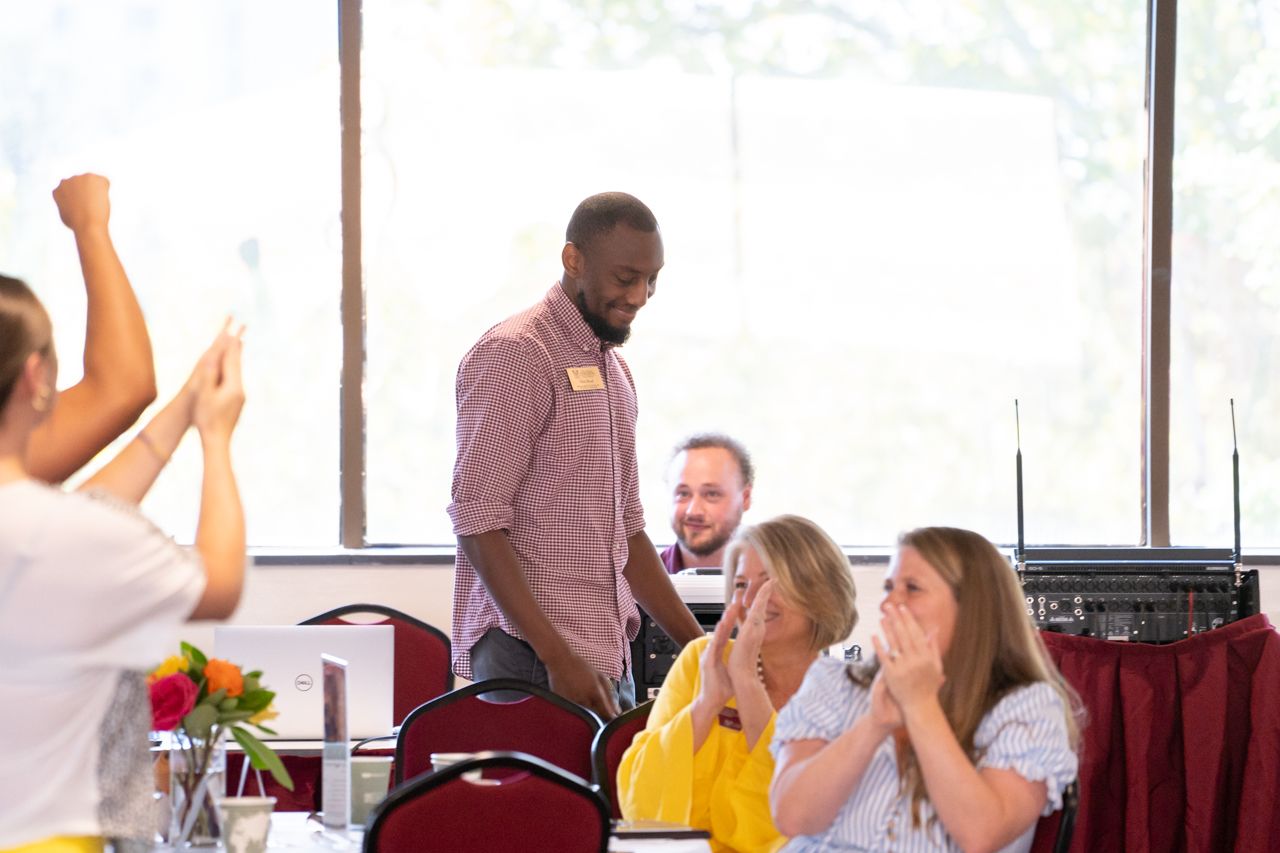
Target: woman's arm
119, 376
716, 688
656, 773
981, 810
755, 710
813, 779
220, 533
131, 474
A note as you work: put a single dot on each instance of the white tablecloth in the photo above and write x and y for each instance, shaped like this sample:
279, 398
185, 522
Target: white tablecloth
292, 831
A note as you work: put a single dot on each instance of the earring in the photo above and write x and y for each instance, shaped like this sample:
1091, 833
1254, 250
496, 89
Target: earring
43, 398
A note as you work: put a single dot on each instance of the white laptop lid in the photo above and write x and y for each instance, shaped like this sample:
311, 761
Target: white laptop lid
289, 657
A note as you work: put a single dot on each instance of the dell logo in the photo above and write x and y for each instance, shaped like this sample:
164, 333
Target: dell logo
303, 682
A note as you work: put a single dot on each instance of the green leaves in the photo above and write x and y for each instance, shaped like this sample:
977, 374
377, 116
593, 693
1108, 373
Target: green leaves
194, 655
262, 757
228, 717
255, 700
219, 709
200, 721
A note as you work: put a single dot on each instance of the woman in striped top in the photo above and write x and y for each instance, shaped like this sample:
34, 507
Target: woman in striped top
959, 735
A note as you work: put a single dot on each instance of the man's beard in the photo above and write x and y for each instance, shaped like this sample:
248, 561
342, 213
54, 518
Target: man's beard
600, 326
706, 549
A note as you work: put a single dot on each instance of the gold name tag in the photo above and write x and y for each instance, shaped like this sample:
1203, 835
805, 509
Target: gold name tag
585, 378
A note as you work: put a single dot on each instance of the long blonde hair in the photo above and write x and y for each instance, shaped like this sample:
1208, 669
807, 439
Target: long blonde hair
995, 648
811, 572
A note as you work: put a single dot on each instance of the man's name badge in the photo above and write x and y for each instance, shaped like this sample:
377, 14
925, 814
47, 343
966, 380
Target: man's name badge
585, 378
729, 719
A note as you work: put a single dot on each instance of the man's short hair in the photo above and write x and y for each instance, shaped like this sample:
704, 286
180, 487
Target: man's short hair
724, 442
601, 213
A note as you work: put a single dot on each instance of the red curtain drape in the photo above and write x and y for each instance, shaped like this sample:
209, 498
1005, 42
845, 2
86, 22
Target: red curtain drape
1181, 749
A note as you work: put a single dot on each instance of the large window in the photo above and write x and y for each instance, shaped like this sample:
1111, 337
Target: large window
217, 123
884, 222
1226, 271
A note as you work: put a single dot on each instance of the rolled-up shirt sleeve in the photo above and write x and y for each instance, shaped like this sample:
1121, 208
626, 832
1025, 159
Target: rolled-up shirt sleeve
633, 511
633, 515
503, 400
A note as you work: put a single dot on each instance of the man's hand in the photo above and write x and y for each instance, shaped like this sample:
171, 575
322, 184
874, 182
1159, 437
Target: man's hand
578, 681
83, 203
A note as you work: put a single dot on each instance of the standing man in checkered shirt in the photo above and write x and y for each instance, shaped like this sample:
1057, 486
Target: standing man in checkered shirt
552, 553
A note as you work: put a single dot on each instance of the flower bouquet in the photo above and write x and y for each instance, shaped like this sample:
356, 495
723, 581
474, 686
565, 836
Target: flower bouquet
200, 700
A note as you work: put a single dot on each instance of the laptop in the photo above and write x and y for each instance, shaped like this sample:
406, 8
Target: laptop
289, 657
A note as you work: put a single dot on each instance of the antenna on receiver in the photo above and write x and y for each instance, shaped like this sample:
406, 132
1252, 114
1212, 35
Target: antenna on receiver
1021, 552
1235, 490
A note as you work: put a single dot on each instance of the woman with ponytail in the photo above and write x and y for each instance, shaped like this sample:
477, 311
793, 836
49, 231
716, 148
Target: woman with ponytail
91, 593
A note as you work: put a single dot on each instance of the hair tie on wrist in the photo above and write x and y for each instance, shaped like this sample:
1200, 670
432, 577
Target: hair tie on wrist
151, 445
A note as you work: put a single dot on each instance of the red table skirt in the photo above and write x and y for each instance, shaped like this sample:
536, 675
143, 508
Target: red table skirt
303, 769
1181, 751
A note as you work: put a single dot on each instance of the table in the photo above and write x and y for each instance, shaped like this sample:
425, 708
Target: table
292, 831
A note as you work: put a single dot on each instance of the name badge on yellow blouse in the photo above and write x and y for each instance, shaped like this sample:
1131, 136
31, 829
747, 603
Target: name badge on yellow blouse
585, 378
729, 719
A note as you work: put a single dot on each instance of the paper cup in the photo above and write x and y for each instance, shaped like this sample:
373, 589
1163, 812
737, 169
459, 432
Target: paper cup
441, 760
246, 821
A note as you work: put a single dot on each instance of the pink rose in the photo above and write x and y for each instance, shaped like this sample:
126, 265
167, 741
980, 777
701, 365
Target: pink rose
172, 698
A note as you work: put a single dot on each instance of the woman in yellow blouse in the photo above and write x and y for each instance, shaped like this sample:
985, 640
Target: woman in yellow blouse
703, 758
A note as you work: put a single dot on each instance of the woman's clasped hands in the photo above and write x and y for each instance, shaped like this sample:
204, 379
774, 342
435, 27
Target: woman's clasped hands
722, 678
737, 674
911, 671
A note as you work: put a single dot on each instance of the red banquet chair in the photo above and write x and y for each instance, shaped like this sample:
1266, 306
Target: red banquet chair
606, 750
423, 652
542, 724
533, 807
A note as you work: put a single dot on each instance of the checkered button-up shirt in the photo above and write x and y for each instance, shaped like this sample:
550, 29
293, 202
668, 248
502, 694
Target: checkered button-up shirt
556, 469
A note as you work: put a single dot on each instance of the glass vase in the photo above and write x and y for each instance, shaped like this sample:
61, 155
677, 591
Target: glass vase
197, 784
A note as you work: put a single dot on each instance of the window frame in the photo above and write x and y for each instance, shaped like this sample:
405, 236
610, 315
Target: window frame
1156, 291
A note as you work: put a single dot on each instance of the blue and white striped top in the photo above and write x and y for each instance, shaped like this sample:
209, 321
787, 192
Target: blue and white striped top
1026, 732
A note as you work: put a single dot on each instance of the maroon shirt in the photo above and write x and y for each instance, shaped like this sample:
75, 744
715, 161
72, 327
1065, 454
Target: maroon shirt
673, 559
556, 469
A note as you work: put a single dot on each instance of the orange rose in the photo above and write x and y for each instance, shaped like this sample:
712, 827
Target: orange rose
220, 674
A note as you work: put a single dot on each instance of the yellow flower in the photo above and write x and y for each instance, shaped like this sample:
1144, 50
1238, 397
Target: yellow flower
172, 664
267, 713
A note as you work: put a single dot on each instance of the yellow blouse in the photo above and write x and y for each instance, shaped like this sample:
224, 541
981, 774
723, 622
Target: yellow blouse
62, 844
723, 789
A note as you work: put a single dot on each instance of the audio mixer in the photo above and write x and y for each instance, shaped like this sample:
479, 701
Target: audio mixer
1145, 595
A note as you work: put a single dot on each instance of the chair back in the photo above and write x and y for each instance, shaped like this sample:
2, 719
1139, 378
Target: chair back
542, 724
611, 741
533, 807
1054, 832
423, 668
